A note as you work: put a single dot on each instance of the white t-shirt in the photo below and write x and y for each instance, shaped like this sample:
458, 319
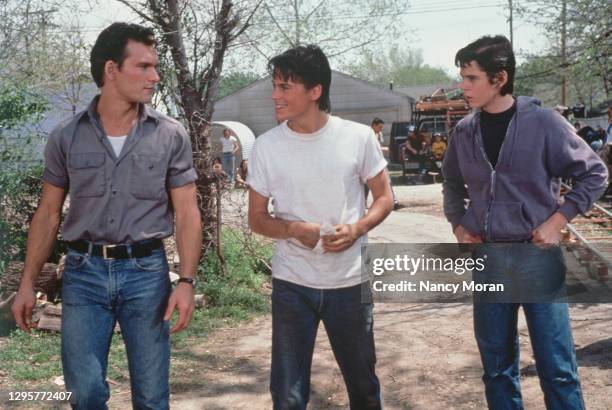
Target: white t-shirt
228, 143
117, 143
316, 178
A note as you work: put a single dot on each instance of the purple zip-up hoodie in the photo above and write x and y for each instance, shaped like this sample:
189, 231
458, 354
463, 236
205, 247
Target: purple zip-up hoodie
509, 201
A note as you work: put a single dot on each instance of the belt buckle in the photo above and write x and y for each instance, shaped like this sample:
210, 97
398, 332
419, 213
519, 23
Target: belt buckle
104, 248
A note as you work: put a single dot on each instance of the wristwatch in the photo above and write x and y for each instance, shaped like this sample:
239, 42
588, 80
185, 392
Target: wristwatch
191, 281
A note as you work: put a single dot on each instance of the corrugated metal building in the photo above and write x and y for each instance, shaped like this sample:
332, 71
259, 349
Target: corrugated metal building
351, 98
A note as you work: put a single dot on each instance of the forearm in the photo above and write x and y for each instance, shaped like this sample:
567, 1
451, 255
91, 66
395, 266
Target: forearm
275, 228
41, 237
189, 241
380, 208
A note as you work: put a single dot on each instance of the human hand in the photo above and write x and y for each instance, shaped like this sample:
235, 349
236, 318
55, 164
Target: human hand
23, 306
181, 299
465, 236
549, 233
344, 238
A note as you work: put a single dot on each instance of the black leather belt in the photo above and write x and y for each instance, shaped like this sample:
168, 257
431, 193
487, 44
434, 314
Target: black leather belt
135, 250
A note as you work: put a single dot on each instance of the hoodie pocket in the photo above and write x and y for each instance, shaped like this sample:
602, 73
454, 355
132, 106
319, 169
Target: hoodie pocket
508, 222
473, 220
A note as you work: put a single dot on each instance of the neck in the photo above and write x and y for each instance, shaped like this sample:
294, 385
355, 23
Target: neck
116, 113
308, 123
499, 104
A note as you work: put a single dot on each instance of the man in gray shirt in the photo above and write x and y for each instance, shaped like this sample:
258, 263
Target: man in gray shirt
129, 172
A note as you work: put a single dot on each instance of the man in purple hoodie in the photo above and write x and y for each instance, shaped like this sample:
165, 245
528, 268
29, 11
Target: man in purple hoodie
507, 158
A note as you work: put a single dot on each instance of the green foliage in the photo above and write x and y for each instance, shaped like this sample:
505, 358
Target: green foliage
402, 66
230, 83
20, 191
37, 357
32, 357
17, 107
233, 296
588, 49
235, 293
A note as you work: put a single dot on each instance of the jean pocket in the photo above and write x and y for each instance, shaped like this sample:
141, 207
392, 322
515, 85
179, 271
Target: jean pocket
152, 263
75, 260
87, 174
148, 176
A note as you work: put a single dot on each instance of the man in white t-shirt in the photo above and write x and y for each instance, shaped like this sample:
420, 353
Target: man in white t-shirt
230, 148
315, 165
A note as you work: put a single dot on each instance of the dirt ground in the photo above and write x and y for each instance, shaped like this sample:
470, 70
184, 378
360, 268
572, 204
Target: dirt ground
427, 356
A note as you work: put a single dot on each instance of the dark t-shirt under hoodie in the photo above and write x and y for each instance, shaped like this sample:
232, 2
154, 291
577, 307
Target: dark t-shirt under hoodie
493, 128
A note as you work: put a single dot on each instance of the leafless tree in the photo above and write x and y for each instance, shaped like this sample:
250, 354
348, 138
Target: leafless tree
195, 37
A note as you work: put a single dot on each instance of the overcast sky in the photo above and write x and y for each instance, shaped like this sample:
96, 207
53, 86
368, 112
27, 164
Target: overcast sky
442, 32
438, 27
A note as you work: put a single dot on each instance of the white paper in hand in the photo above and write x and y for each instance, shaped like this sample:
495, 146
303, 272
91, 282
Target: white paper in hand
326, 229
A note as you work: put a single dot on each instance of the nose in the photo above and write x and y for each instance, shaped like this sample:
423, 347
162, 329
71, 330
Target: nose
463, 84
155, 76
275, 93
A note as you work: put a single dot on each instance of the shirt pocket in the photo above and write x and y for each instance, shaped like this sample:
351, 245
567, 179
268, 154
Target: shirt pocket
148, 176
87, 174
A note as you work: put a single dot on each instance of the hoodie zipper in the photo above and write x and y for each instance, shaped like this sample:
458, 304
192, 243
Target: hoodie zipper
479, 141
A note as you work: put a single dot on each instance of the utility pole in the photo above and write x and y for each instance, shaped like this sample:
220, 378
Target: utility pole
511, 22
563, 53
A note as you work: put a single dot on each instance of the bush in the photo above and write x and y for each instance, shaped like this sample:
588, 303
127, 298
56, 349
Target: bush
20, 193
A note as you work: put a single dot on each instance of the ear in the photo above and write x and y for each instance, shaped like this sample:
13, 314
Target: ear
500, 79
315, 92
110, 69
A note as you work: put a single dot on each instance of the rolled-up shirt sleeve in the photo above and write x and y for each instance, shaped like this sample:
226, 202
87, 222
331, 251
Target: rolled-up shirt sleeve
372, 161
180, 170
55, 171
257, 176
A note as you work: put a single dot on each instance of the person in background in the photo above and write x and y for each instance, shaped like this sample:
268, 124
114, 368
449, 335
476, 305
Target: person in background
377, 126
241, 174
217, 171
230, 146
438, 147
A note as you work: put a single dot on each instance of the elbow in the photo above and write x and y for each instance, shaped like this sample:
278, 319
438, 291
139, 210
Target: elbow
252, 220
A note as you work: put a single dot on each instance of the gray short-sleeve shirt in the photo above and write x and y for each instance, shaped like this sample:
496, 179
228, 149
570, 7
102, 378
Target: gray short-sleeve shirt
121, 199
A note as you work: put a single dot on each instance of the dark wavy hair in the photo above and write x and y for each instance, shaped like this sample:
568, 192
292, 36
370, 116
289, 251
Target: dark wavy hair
493, 54
307, 65
110, 45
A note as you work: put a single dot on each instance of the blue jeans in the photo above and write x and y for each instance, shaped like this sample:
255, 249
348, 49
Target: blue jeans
227, 162
296, 312
96, 294
495, 326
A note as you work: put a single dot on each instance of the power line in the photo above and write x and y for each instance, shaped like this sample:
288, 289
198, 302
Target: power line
390, 14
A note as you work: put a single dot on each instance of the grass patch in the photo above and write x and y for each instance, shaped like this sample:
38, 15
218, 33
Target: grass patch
233, 296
